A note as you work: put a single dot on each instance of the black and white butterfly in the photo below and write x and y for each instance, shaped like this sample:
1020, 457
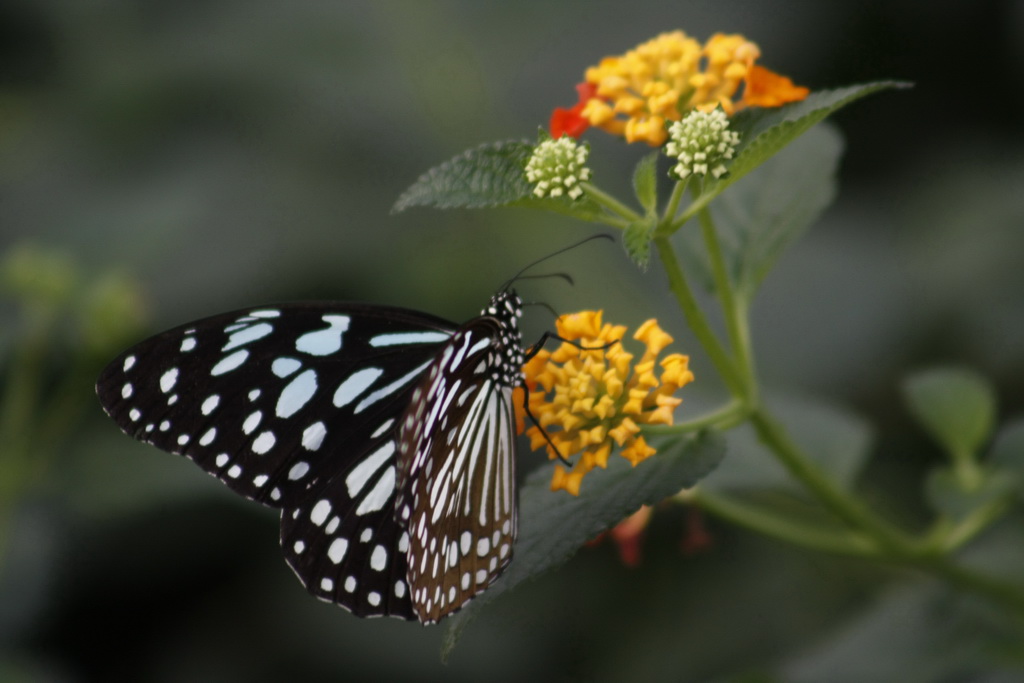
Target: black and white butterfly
385, 436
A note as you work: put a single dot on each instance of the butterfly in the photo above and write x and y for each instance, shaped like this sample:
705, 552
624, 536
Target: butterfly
385, 436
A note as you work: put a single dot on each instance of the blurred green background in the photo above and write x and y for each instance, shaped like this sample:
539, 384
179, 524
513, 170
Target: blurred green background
230, 153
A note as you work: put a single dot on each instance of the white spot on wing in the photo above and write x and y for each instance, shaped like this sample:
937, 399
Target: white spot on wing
313, 436
379, 558
252, 422
383, 428
327, 341
282, 367
361, 473
229, 363
400, 338
207, 438
479, 346
298, 470
336, 552
377, 498
210, 404
129, 362
247, 335
354, 385
318, 515
264, 442
386, 391
296, 394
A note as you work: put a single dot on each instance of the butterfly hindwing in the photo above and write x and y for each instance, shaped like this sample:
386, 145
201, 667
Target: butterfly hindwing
457, 469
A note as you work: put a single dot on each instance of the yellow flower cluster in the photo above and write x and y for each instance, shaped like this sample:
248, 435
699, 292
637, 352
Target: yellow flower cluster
668, 76
587, 400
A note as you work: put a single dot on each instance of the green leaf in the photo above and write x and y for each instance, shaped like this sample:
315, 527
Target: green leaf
837, 440
488, 176
756, 220
763, 131
956, 406
946, 492
637, 240
760, 217
553, 525
485, 176
645, 182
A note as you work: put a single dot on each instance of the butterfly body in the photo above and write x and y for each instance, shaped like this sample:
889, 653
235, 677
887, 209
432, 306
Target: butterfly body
385, 436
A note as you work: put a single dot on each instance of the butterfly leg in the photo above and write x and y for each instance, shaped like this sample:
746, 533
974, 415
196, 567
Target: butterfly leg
529, 414
533, 351
539, 344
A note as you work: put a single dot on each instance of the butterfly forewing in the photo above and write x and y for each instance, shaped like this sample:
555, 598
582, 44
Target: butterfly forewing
296, 407
456, 488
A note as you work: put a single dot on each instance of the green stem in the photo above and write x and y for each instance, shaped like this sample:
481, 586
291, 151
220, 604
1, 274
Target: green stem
610, 203
947, 536
735, 315
695, 317
966, 468
768, 523
698, 204
838, 501
673, 202
757, 518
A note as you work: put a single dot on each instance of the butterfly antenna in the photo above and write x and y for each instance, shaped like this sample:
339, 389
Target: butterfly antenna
517, 276
564, 276
542, 304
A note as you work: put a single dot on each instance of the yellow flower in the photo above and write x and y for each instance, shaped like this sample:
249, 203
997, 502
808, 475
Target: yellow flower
586, 401
637, 93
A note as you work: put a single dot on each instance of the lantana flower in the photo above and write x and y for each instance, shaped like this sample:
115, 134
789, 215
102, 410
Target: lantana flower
588, 401
637, 93
557, 167
701, 143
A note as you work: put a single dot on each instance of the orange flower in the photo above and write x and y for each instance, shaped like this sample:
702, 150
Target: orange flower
637, 93
768, 89
588, 401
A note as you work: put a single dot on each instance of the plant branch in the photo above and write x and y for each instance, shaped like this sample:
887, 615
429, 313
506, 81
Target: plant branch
695, 318
610, 203
769, 523
827, 491
735, 315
